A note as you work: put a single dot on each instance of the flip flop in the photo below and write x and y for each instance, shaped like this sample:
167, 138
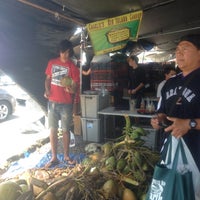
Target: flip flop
69, 162
52, 164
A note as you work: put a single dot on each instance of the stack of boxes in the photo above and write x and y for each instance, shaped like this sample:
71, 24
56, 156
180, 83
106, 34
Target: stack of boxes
91, 125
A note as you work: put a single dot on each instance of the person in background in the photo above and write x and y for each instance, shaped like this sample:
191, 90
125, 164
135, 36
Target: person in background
86, 71
61, 98
136, 80
180, 100
169, 71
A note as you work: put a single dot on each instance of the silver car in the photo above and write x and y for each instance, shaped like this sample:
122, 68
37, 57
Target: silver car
7, 105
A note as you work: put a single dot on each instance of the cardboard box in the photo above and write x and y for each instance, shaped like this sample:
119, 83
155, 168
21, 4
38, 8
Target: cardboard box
77, 125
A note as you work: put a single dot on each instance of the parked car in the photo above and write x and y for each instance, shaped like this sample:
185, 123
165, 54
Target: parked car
7, 105
13, 89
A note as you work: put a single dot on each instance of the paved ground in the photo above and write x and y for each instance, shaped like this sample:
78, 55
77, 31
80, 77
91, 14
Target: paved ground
21, 131
25, 135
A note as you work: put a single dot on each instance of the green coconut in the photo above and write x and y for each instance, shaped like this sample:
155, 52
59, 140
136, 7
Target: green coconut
135, 135
126, 169
121, 163
141, 131
110, 163
66, 81
9, 190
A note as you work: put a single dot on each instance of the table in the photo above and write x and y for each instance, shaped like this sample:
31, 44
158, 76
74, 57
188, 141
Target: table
111, 111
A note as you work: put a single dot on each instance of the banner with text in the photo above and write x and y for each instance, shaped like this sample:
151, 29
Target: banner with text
112, 34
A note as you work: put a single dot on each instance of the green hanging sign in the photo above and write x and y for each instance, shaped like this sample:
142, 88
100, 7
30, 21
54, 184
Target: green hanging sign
112, 34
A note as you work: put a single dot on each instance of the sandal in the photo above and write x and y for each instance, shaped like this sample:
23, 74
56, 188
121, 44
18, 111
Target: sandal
52, 163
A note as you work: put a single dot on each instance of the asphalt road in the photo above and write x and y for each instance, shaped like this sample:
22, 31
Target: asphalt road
21, 130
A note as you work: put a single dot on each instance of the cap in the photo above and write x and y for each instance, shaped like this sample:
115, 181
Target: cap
192, 38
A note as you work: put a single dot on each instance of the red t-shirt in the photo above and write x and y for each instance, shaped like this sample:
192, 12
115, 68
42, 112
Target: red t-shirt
56, 70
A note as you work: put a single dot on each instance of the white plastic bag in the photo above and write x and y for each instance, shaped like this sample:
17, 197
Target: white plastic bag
72, 140
191, 165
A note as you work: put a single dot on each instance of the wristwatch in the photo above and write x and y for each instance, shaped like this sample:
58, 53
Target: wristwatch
192, 124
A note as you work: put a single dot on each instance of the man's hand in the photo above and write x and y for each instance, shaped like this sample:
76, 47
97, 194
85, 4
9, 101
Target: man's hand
179, 126
158, 121
155, 122
46, 94
71, 88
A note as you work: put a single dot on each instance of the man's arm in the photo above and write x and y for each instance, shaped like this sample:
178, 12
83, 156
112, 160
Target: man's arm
86, 72
139, 87
181, 127
47, 86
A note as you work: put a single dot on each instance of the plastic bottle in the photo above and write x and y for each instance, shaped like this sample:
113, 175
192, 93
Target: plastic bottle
103, 91
142, 105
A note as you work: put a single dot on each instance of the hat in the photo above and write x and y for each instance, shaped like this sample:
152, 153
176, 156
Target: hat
193, 38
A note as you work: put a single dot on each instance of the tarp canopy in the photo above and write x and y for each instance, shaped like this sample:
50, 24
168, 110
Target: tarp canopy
31, 29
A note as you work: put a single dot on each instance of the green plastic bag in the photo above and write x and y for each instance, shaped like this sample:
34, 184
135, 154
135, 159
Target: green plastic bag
171, 183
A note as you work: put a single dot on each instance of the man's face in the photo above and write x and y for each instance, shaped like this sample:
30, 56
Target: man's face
170, 74
64, 56
132, 63
187, 56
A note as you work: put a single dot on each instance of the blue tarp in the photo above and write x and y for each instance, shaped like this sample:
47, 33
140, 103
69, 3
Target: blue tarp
35, 160
77, 157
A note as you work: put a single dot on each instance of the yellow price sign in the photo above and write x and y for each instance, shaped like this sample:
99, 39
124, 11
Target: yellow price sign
118, 35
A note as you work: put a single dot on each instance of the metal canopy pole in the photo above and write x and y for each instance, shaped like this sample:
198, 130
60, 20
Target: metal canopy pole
51, 12
82, 47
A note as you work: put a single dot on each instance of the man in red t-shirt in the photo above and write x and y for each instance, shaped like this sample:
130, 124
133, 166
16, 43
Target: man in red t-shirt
61, 98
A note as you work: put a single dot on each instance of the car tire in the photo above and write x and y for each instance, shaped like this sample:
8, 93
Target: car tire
5, 110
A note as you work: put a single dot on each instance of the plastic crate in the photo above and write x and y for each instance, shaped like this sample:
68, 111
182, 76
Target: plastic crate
91, 129
91, 104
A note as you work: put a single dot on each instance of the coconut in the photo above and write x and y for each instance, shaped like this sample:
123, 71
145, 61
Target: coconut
49, 196
94, 171
128, 195
143, 196
9, 190
24, 187
110, 189
66, 81
37, 190
96, 156
107, 149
